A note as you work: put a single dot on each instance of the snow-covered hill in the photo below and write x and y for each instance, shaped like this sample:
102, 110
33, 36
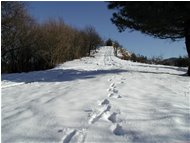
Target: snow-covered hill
97, 99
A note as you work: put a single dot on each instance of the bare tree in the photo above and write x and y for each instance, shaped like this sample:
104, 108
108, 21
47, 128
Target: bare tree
93, 39
15, 36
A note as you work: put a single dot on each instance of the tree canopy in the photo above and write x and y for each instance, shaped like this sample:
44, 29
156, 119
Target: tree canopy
159, 19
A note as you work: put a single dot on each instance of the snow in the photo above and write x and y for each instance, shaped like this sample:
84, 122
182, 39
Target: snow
97, 99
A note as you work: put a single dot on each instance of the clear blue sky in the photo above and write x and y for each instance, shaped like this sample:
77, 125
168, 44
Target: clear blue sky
81, 14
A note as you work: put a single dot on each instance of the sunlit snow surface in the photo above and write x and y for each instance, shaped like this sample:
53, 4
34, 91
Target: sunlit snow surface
99, 99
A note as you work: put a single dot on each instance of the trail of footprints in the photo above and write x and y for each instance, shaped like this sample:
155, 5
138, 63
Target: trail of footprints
113, 92
102, 111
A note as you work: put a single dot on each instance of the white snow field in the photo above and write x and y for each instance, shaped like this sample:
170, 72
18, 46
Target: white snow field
100, 99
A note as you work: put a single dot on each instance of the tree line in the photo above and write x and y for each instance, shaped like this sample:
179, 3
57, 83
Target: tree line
179, 62
28, 46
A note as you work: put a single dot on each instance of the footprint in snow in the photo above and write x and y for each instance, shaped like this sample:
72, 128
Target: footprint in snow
116, 96
115, 91
68, 136
96, 116
113, 117
104, 102
121, 82
110, 94
112, 85
109, 89
118, 130
112, 89
73, 135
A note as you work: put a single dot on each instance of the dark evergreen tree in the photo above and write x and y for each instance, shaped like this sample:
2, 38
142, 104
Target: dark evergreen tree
109, 42
159, 19
133, 57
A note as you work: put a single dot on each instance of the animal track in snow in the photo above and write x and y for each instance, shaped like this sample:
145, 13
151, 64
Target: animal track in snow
112, 90
69, 135
118, 130
110, 94
114, 94
96, 116
104, 102
113, 117
117, 96
115, 91
121, 82
73, 135
112, 85
109, 79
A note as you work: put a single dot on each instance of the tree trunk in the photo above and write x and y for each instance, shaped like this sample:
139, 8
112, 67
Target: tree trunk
187, 42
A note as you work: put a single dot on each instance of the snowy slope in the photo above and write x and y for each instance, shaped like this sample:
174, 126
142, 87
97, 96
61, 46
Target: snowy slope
101, 99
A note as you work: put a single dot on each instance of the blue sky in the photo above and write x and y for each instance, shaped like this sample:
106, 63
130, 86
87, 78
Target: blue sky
81, 14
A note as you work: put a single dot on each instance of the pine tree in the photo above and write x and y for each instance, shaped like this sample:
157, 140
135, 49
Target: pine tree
165, 20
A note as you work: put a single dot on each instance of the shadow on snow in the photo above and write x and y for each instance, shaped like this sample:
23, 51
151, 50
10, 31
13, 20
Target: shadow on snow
57, 75
62, 75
